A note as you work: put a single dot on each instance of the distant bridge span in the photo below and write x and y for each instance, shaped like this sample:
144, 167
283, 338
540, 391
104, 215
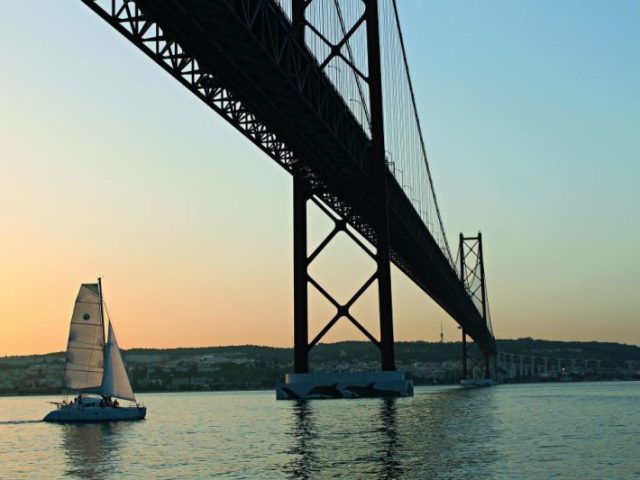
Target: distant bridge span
248, 61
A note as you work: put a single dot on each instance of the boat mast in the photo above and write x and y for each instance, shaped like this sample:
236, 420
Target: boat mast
104, 333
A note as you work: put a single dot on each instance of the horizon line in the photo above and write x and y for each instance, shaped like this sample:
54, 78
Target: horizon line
327, 343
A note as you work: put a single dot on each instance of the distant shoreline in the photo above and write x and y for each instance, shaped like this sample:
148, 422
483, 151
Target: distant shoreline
266, 389
255, 368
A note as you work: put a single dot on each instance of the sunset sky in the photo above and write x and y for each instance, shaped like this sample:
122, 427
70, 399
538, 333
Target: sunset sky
108, 166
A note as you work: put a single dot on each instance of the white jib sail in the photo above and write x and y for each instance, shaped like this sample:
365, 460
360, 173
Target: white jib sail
115, 382
85, 354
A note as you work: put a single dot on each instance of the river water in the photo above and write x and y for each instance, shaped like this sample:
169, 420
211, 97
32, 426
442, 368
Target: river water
565, 431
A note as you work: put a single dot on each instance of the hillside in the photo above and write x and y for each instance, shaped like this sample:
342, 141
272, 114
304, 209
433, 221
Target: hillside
253, 366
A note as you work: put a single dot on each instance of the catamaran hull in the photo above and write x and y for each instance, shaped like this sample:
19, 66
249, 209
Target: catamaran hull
96, 414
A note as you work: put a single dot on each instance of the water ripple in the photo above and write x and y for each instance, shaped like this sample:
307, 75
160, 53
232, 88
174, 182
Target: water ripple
520, 431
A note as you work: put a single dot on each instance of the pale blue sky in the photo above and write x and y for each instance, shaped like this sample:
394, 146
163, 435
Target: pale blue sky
531, 112
108, 166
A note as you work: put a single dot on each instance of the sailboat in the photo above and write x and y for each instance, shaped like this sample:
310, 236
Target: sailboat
94, 369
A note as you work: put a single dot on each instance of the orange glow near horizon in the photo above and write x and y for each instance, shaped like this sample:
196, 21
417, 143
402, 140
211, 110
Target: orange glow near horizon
186, 302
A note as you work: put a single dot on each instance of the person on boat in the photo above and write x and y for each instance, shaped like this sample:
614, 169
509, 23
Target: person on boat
115, 404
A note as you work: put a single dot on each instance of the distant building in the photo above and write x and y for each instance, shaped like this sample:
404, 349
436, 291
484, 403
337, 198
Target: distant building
200, 382
215, 359
181, 382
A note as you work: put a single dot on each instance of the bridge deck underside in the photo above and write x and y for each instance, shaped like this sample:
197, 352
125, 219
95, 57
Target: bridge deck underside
246, 49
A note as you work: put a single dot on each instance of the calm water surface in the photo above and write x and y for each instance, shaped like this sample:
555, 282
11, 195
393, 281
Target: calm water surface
570, 430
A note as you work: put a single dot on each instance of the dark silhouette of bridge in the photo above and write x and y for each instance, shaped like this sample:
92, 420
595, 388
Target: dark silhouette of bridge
323, 88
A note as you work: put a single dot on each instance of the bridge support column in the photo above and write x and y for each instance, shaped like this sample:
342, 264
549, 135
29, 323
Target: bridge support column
465, 373
302, 192
379, 176
473, 279
300, 196
300, 294
302, 384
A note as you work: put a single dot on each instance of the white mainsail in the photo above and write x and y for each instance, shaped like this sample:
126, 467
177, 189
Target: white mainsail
115, 381
84, 362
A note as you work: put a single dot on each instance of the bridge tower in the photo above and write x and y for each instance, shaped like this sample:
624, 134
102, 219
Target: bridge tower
473, 277
301, 195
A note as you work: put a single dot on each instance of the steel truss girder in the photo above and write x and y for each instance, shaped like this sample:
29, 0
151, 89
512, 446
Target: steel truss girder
127, 17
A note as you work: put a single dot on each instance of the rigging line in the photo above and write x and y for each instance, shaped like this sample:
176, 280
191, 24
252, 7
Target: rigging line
417, 119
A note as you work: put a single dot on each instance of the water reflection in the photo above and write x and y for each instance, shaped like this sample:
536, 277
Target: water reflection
448, 434
305, 459
339, 443
390, 465
436, 434
93, 449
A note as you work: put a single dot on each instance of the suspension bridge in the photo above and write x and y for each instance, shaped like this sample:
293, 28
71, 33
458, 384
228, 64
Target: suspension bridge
323, 88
